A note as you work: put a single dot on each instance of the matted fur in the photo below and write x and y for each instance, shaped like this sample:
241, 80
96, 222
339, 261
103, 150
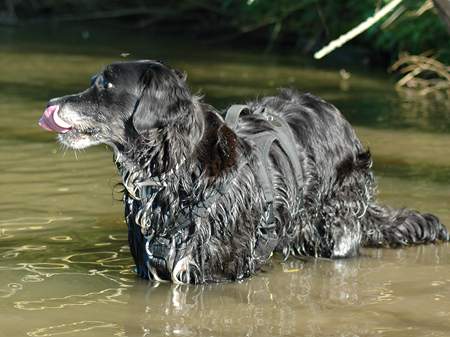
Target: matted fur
175, 152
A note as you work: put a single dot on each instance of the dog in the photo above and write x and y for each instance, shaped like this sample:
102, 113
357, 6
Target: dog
209, 199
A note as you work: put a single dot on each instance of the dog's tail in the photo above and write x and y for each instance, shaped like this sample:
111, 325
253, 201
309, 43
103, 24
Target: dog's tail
384, 226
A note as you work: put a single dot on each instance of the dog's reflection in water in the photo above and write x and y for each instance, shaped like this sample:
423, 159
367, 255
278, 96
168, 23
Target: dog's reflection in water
287, 299
347, 297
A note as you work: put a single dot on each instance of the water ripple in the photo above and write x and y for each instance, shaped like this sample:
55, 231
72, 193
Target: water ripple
103, 296
75, 327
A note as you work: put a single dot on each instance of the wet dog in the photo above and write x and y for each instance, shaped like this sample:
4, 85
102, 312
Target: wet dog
209, 200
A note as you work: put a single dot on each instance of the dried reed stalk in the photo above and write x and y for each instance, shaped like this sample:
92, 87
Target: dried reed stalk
422, 73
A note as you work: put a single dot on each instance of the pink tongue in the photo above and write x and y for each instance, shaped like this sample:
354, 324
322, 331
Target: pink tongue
47, 120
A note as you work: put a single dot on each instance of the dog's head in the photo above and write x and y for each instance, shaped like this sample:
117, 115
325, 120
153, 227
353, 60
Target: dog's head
125, 100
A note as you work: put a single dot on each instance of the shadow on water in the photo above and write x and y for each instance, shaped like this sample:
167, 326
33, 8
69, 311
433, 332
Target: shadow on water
65, 266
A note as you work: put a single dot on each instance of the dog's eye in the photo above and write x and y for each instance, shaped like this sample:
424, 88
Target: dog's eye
106, 84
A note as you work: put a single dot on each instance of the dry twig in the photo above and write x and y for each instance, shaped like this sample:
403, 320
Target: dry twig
363, 26
422, 73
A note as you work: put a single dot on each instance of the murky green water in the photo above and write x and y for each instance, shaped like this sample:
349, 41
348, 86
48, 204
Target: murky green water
65, 268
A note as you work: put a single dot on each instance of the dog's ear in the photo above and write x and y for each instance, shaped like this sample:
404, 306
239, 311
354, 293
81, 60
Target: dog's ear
164, 99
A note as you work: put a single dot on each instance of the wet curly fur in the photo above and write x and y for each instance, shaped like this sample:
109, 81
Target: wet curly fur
175, 152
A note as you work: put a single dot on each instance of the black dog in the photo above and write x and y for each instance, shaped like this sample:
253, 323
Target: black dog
208, 200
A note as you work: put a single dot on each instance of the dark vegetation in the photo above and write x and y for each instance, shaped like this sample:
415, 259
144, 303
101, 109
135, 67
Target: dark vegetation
306, 25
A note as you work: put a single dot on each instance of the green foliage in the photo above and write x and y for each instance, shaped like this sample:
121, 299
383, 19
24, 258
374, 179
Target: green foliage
308, 24
412, 33
326, 20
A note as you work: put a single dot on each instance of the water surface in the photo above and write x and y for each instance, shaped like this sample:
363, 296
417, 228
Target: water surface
65, 268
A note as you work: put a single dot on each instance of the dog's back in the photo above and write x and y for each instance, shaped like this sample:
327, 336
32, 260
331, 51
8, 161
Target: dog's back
340, 213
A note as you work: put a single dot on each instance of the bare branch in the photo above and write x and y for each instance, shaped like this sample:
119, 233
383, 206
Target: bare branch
369, 22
